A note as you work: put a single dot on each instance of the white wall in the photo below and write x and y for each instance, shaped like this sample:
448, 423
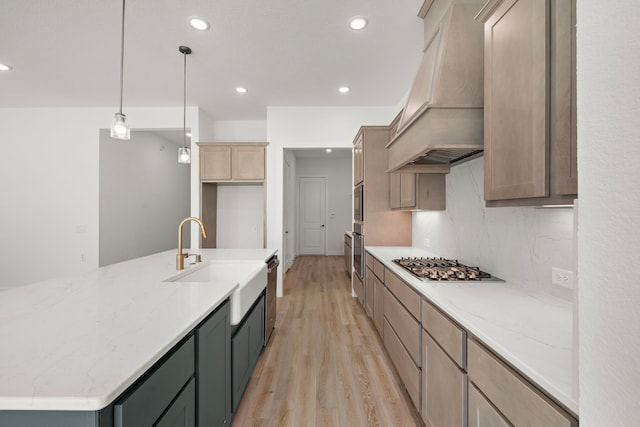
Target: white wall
49, 186
339, 194
609, 214
240, 216
236, 131
308, 127
144, 194
519, 245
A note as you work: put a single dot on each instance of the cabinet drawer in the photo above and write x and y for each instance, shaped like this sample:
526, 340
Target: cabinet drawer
378, 269
405, 294
450, 337
405, 326
482, 412
144, 404
369, 260
520, 402
408, 371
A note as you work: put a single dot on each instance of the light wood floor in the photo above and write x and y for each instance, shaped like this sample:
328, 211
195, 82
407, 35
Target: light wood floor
325, 364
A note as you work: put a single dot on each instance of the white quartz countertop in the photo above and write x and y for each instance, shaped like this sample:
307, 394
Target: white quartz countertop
77, 343
532, 332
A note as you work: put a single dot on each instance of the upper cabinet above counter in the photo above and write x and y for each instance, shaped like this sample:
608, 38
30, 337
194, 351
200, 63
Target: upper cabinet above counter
442, 122
232, 162
530, 102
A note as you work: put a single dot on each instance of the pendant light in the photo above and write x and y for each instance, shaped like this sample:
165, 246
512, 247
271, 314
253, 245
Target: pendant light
119, 126
184, 152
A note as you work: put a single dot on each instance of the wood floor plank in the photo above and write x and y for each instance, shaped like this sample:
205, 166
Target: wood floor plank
325, 364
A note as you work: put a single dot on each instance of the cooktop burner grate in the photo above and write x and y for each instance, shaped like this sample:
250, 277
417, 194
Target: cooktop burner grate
443, 269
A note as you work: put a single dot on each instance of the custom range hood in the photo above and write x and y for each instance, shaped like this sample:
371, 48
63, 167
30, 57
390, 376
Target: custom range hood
442, 122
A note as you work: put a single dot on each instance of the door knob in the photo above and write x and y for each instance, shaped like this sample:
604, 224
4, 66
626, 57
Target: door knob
323, 225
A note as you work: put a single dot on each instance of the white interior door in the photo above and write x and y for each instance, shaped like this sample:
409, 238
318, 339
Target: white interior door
312, 215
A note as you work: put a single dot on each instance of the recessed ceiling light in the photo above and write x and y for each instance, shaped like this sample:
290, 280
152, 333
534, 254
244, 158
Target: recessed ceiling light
357, 23
344, 89
241, 89
328, 150
188, 134
198, 23
4, 67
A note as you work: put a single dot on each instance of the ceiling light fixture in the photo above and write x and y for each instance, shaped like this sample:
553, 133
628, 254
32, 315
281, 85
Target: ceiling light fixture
358, 23
328, 150
198, 23
344, 89
119, 127
241, 89
184, 152
4, 67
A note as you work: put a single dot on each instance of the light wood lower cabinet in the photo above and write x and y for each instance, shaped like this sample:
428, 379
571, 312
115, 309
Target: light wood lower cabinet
444, 387
407, 370
482, 413
358, 288
378, 305
369, 292
347, 253
518, 401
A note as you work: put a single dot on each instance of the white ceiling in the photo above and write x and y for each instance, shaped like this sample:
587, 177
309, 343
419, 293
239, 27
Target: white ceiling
66, 53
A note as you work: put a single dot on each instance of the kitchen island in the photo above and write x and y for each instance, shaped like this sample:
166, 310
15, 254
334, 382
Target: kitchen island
531, 332
78, 343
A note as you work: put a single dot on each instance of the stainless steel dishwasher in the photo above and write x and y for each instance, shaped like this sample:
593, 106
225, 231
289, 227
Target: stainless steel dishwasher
270, 312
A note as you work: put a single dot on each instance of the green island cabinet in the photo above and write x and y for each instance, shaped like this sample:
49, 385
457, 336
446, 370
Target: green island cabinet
247, 342
190, 386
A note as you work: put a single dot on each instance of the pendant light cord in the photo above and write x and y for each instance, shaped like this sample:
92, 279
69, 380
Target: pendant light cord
122, 57
184, 111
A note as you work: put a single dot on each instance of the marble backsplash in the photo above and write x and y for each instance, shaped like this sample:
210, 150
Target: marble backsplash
519, 245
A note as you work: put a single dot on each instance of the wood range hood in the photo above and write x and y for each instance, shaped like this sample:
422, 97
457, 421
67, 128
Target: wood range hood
442, 122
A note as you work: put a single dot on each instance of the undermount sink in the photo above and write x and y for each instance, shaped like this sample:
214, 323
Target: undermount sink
250, 276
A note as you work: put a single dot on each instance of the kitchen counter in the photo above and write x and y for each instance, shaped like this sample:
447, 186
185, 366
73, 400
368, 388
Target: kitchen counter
77, 343
531, 331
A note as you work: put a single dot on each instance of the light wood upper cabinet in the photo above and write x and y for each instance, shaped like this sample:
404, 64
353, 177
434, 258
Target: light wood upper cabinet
245, 162
529, 102
409, 191
358, 159
215, 162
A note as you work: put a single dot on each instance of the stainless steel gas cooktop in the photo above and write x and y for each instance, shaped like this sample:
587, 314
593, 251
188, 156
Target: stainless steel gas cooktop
442, 269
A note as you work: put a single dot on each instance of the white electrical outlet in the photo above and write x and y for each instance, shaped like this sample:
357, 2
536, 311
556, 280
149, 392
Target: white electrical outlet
83, 257
562, 277
426, 242
254, 229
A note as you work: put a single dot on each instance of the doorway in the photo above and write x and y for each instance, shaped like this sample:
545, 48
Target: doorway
312, 199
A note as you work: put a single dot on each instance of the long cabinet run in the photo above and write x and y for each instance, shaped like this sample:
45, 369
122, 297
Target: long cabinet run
452, 378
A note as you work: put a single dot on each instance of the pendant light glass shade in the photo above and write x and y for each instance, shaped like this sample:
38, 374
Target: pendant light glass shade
184, 152
184, 155
120, 127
